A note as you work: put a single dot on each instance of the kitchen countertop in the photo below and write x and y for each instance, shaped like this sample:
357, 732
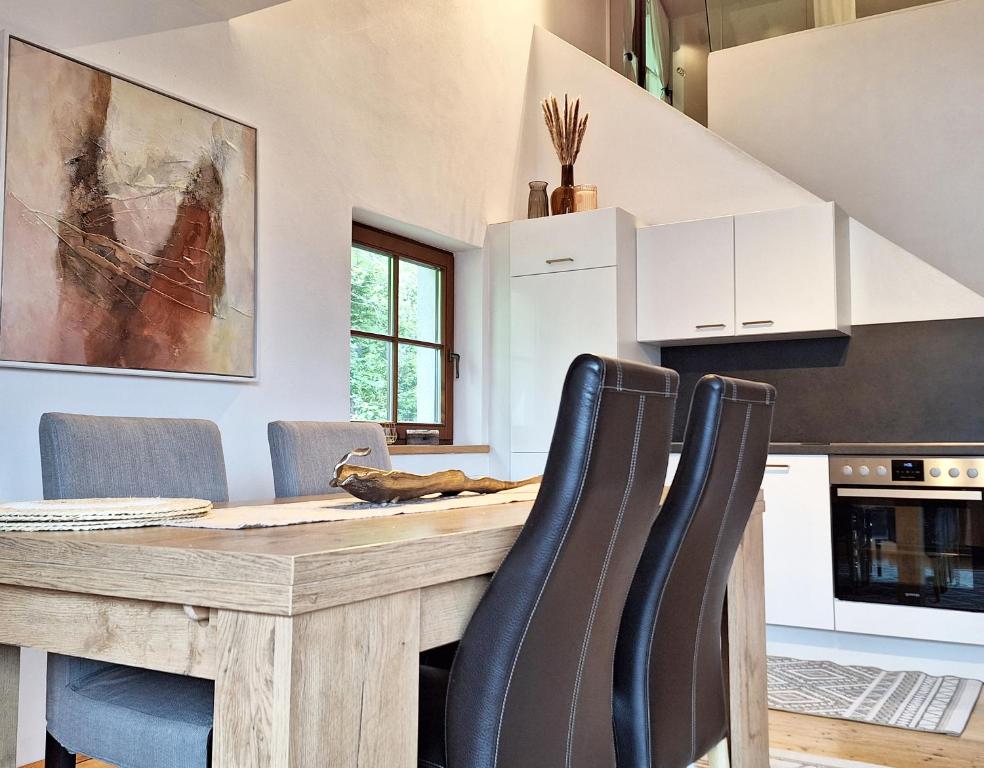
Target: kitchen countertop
873, 449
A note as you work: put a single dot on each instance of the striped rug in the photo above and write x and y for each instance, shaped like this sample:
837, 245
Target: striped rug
910, 700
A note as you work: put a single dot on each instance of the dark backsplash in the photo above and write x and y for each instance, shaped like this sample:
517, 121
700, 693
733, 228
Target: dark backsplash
898, 382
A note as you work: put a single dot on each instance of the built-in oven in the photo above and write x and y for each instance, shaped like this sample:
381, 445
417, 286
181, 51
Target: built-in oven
908, 531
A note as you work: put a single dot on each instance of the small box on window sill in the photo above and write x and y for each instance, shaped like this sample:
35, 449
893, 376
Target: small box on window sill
423, 437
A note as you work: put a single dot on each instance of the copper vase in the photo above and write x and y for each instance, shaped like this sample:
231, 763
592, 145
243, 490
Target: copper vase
562, 199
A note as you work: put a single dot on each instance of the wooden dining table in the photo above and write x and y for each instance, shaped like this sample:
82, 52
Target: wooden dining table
312, 633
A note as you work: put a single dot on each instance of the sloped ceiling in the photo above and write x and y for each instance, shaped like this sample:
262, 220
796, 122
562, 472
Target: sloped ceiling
58, 23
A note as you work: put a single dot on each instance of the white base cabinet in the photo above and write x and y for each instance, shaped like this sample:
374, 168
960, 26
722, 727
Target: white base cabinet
799, 582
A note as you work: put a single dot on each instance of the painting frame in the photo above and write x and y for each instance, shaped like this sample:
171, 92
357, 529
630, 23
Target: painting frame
144, 372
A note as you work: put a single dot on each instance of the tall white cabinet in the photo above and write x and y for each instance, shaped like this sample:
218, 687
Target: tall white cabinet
567, 286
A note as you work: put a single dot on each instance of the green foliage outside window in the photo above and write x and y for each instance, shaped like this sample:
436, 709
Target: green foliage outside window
371, 360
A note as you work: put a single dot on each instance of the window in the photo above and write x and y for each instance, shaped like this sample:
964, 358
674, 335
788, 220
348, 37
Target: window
402, 332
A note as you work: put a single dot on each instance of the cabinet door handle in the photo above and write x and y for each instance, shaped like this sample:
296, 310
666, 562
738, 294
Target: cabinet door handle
750, 323
710, 326
559, 261
777, 466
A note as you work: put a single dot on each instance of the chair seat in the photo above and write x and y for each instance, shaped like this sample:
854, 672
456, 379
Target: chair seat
433, 697
136, 718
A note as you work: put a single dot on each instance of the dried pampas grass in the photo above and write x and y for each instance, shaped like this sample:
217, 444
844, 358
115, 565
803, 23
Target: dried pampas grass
567, 129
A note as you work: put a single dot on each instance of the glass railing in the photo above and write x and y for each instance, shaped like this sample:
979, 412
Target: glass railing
736, 22
667, 42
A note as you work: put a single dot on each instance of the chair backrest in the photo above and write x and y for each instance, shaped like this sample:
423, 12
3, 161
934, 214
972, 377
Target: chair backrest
304, 453
113, 456
532, 679
669, 696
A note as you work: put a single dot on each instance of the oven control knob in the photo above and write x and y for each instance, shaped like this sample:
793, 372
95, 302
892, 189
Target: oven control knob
972, 473
848, 470
954, 472
882, 471
864, 471
935, 472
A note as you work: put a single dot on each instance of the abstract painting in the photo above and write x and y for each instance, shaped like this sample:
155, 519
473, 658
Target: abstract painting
128, 225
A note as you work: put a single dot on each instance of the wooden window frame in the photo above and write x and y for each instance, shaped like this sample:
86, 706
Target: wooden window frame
402, 248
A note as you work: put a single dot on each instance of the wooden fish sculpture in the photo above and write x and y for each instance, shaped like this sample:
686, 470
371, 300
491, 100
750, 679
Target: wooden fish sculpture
382, 486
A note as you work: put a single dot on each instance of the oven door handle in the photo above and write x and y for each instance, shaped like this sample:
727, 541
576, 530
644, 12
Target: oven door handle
909, 493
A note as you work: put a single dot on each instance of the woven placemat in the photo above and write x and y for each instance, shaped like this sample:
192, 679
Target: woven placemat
97, 514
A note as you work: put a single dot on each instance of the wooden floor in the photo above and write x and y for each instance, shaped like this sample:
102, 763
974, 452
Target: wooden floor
877, 744
892, 747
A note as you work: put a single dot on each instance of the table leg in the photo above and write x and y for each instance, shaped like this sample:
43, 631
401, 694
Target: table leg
9, 685
746, 661
336, 687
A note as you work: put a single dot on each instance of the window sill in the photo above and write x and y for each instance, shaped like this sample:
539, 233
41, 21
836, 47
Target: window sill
412, 450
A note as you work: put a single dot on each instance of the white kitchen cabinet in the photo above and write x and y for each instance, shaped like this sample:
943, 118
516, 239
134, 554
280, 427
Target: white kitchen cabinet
686, 281
772, 274
527, 465
556, 244
546, 315
792, 271
554, 318
799, 588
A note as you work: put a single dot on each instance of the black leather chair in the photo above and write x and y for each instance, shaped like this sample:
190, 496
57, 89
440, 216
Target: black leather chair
669, 700
531, 682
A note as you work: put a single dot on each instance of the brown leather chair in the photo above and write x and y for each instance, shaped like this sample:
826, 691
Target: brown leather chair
531, 681
669, 699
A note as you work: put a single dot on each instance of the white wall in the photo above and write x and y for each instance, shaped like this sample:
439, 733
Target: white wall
408, 109
643, 154
883, 115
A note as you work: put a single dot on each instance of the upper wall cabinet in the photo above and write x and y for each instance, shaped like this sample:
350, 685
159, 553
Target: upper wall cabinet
686, 280
775, 274
793, 272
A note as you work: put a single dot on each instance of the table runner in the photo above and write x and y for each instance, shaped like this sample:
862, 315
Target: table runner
344, 507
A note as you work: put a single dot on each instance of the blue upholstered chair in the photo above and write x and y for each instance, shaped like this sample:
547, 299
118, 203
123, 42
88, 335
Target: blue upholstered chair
129, 717
304, 453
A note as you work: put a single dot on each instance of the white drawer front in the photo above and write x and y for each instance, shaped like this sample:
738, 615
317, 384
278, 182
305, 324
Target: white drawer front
562, 243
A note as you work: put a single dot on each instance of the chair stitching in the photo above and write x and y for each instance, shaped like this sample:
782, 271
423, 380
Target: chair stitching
662, 594
629, 483
553, 562
618, 374
707, 581
744, 400
630, 391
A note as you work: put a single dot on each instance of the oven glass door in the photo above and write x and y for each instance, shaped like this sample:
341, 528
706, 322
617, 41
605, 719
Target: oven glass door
909, 546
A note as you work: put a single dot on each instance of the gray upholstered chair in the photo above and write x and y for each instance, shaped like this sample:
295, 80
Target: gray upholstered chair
126, 716
304, 453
